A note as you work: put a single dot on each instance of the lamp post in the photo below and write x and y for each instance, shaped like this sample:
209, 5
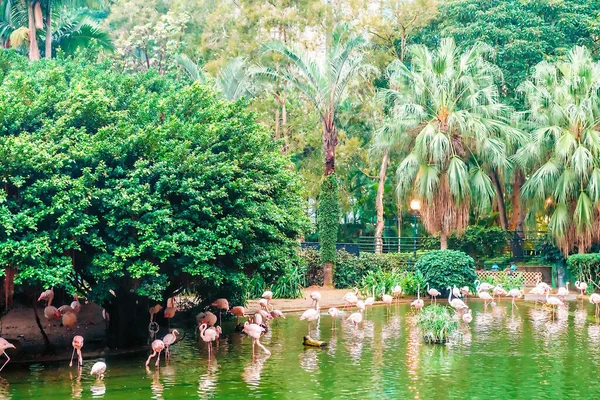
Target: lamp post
415, 205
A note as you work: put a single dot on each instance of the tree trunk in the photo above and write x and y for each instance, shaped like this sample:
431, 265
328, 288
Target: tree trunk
500, 200
34, 51
518, 212
328, 274
277, 121
49, 30
443, 241
284, 132
330, 141
379, 203
399, 217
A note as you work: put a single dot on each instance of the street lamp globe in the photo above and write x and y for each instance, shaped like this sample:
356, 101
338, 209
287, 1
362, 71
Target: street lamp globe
415, 204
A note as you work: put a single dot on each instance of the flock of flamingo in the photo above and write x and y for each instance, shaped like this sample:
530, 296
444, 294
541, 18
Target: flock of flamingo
209, 324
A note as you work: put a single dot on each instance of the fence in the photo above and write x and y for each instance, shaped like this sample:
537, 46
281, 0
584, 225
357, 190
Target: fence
531, 277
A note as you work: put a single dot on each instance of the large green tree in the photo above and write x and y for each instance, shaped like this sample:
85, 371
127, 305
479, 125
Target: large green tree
137, 185
448, 100
563, 148
325, 85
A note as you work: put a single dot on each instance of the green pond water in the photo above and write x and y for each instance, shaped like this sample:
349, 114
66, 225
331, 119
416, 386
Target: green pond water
522, 354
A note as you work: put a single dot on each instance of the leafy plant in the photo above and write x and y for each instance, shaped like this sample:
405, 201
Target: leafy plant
437, 323
507, 280
257, 286
328, 219
289, 285
443, 268
585, 267
380, 279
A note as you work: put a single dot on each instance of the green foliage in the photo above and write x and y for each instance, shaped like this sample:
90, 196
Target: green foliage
289, 285
378, 280
443, 268
138, 184
257, 286
437, 323
328, 218
585, 267
507, 280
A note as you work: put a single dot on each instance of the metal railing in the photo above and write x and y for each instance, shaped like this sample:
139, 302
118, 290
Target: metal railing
390, 244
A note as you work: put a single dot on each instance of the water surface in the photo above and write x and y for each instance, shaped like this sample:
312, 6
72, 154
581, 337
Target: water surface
504, 354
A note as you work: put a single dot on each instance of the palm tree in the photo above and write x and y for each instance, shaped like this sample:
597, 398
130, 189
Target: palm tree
324, 82
564, 148
448, 103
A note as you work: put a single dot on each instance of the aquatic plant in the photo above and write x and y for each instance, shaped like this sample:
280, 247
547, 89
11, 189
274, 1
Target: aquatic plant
437, 323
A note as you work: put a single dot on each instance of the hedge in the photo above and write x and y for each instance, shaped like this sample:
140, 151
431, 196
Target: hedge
585, 267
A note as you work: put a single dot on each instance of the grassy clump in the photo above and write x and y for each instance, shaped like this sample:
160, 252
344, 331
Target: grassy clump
437, 323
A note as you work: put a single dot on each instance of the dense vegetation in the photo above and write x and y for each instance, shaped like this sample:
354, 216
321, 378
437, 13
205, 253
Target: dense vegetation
487, 112
137, 185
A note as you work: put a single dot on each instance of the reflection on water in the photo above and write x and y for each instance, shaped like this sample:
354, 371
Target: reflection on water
548, 351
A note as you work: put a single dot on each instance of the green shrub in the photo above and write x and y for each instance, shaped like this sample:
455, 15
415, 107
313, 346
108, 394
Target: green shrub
508, 281
437, 323
585, 267
289, 285
443, 268
380, 279
328, 218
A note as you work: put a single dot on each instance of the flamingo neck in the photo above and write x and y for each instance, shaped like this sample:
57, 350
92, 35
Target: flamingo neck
449, 294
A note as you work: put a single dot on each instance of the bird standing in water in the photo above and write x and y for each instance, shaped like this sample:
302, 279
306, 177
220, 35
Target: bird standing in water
208, 336
157, 347
255, 332
99, 369
221, 304
77, 345
5, 344
168, 340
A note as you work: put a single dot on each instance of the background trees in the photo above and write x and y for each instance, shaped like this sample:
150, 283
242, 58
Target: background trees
138, 185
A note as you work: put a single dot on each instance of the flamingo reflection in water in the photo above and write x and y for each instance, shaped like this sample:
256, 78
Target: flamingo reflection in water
156, 386
76, 388
208, 381
253, 370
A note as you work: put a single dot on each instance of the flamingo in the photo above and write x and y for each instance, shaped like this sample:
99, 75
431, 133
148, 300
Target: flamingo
69, 319
168, 340
267, 295
386, 299
309, 315
206, 316
277, 314
333, 312
76, 305
265, 315
258, 319
456, 292
594, 299
157, 347
208, 336
221, 304
582, 287
485, 296
396, 291
316, 298
350, 298
255, 332
356, 318
457, 304
483, 286
153, 311
553, 301
563, 291
238, 311
371, 299
418, 303
99, 369
77, 345
467, 317
63, 309
264, 304
50, 312
434, 293
360, 305
499, 291
515, 293
465, 291
5, 344
170, 310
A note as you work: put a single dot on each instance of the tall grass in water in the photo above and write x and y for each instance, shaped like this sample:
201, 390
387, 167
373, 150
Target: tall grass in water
437, 323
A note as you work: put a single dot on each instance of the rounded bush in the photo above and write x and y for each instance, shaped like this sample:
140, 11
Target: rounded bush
443, 268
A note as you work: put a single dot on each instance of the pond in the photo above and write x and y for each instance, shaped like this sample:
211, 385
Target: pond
521, 354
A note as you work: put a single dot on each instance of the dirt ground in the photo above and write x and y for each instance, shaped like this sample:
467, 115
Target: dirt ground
19, 327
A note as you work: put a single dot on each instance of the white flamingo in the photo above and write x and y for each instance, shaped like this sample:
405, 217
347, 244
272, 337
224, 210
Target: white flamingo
98, 369
485, 296
482, 286
310, 315
356, 318
582, 287
499, 291
467, 317
351, 298
515, 293
333, 312
434, 293
316, 299
255, 332
456, 292
553, 301
465, 291
396, 291
595, 299
457, 304
563, 291
386, 299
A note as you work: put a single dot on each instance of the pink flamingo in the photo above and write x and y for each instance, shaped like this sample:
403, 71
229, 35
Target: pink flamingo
157, 347
221, 304
264, 304
208, 336
5, 344
154, 310
69, 319
582, 287
333, 312
356, 318
77, 345
268, 295
467, 317
386, 299
255, 332
434, 293
465, 291
238, 311
515, 293
554, 302
50, 312
206, 316
276, 314
170, 310
309, 315
486, 297
499, 291
563, 291
350, 298
168, 340
594, 299
316, 299
418, 303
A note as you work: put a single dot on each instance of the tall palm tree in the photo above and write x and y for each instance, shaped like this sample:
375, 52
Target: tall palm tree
448, 103
324, 82
564, 148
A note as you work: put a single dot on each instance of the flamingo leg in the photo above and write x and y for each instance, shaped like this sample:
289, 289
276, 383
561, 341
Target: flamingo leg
79, 357
72, 354
263, 347
149, 358
7, 360
157, 360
